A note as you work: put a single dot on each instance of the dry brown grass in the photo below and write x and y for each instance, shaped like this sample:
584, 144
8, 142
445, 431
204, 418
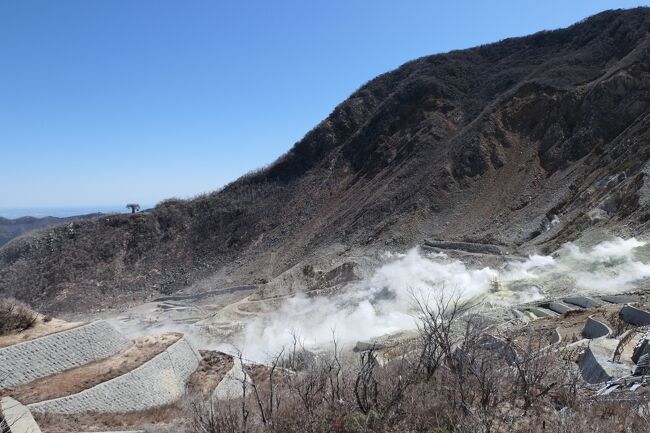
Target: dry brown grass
44, 325
171, 418
212, 368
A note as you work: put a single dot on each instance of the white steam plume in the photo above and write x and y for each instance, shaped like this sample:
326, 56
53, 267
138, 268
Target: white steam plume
384, 303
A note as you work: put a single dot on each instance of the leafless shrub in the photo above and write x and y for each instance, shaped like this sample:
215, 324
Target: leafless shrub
208, 417
15, 316
461, 377
436, 321
533, 367
618, 325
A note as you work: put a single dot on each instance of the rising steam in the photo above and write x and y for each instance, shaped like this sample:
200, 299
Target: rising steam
383, 304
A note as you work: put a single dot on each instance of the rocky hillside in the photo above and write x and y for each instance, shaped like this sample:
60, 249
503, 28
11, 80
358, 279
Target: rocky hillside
527, 142
12, 228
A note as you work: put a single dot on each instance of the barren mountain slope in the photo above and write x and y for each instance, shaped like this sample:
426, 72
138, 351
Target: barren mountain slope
526, 142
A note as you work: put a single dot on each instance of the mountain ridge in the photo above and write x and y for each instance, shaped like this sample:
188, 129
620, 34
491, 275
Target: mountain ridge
11, 228
490, 144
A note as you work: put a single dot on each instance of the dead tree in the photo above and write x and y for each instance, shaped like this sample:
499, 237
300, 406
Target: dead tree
437, 320
533, 368
267, 410
134, 207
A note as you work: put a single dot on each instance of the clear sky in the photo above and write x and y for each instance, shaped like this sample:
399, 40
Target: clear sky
106, 102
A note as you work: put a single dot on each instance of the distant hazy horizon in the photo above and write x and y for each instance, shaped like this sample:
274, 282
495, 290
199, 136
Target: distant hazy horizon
63, 211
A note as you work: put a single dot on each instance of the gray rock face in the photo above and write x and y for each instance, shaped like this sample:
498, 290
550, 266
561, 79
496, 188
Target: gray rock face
17, 417
51, 354
156, 383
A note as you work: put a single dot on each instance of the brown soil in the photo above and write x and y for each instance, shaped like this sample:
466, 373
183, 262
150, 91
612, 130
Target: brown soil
77, 379
44, 326
212, 368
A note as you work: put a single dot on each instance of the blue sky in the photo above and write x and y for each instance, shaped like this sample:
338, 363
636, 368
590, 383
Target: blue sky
105, 102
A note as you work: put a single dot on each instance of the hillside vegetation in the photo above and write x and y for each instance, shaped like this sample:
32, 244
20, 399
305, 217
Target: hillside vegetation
489, 144
12, 228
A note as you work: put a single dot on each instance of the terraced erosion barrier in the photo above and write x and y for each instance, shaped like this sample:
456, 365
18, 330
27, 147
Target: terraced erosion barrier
596, 364
582, 301
54, 353
556, 337
466, 246
158, 382
231, 385
541, 312
595, 329
635, 316
560, 307
17, 417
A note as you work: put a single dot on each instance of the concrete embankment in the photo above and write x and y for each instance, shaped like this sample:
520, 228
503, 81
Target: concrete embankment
54, 353
596, 364
469, 247
595, 329
231, 386
635, 316
156, 383
17, 418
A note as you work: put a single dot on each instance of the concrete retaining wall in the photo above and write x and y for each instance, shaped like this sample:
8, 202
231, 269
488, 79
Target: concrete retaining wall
582, 301
560, 307
641, 347
465, 246
54, 353
556, 337
541, 312
158, 382
635, 315
231, 386
617, 299
17, 417
596, 364
595, 329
